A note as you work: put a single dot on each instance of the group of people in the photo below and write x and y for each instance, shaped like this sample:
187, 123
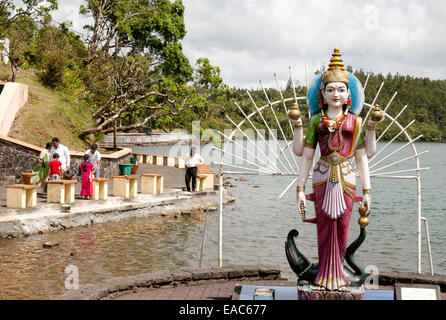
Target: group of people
54, 164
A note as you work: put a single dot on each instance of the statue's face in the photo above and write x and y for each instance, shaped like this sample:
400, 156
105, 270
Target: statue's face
336, 94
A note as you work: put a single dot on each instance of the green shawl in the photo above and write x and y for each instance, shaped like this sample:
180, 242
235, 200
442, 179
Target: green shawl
40, 172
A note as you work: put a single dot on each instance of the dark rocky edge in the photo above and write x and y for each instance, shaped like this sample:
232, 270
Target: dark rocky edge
114, 286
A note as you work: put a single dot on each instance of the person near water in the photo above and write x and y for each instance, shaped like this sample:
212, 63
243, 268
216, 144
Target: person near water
40, 171
87, 176
95, 159
63, 152
192, 160
55, 168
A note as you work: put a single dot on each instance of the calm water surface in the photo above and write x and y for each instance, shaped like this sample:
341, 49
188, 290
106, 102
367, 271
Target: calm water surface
255, 228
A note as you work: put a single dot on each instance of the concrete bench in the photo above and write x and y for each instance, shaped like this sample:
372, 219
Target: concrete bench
125, 186
148, 158
168, 161
201, 178
60, 191
205, 170
100, 188
139, 157
158, 160
179, 162
21, 196
152, 183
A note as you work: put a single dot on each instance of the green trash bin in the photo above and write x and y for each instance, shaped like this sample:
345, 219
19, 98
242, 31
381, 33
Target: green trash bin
133, 160
125, 169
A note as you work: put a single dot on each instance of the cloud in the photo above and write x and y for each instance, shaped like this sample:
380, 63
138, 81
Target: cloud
250, 40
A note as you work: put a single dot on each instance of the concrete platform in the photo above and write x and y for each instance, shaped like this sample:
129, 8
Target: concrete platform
226, 283
48, 217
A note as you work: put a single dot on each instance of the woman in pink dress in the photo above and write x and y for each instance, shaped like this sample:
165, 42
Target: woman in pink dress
87, 183
337, 128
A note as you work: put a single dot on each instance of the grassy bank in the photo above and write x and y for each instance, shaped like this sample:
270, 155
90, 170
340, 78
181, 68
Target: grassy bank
49, 113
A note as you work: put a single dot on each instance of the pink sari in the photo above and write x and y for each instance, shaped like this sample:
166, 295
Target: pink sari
334, 184
87, 183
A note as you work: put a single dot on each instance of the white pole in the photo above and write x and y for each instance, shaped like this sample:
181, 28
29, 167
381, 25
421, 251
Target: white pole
204, 237
428, 242
220, 218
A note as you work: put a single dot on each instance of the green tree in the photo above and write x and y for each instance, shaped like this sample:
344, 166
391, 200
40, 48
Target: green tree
18, 24
154, 27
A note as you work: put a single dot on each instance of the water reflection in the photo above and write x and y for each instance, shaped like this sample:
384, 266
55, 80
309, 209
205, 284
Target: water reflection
254, 231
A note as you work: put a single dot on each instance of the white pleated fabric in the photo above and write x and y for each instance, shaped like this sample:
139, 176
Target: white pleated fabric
334, 204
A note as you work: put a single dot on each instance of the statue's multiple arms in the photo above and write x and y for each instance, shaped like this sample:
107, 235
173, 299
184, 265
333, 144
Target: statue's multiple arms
306, 162
363, 168
298, 137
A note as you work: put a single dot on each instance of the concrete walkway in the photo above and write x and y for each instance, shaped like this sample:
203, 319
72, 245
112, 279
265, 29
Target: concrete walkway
173, 181
214, 283
48, 216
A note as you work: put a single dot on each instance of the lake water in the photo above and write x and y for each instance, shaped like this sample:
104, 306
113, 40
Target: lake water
255, 227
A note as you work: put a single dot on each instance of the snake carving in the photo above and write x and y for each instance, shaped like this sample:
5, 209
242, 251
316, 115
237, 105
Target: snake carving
307, 272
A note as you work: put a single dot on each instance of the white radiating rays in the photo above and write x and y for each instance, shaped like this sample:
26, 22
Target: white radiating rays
241, 153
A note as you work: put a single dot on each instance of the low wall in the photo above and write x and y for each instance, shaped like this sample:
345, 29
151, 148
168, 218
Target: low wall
17, 156
132, 139
12, 98
119, 285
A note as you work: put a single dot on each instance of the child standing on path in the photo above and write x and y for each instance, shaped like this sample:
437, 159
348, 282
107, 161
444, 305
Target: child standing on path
55, 167
87, 183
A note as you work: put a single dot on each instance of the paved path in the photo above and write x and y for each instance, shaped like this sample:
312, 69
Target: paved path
210, 290
173, 181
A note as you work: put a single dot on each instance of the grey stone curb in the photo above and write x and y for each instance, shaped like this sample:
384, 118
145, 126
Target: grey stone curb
390, 278
158, 280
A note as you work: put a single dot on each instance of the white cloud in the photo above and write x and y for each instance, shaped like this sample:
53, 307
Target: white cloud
250, 40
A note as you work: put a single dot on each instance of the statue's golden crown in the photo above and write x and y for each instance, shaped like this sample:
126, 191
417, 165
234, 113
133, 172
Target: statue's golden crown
335, 71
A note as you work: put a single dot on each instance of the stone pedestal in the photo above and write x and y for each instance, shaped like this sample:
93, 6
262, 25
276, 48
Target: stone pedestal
60, 191
168, 161
148, 159
140, 157
21, 196
205, 170
201, 180
152, 184
179, 163
125, 186
100, 188
308, 292
158, 160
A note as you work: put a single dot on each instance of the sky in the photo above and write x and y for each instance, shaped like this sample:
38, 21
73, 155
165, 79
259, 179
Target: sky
250, 40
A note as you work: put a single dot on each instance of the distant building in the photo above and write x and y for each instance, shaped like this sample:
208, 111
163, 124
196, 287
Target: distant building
4, 53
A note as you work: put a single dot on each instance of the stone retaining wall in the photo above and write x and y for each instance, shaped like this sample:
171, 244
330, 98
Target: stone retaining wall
135, 139
119, 285
17, 156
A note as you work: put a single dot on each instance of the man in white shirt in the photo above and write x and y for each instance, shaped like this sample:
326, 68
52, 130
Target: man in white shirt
192, 160
95, 159
63, 152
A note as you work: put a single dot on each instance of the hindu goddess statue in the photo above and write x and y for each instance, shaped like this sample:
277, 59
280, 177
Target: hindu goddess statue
335, 100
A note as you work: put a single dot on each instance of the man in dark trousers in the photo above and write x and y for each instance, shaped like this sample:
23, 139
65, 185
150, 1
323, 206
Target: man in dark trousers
192, 160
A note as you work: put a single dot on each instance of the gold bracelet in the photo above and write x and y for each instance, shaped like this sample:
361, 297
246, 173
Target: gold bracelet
300, 188
369, 127
366, 191
297, 126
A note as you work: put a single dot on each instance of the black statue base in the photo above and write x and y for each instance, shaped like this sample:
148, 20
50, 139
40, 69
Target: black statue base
309, 292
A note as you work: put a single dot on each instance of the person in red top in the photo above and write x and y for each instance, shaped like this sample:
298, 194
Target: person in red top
55, 167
